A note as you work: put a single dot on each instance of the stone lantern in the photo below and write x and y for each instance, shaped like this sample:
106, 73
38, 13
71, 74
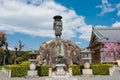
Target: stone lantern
87, 72
32, 56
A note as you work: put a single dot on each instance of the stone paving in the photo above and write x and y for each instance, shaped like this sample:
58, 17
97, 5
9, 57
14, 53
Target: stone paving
75, 78
115, 76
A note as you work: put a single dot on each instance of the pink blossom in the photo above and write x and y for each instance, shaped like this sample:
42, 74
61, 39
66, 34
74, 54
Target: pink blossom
111, 47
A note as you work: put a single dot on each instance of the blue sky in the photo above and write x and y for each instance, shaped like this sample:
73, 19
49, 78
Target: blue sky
31, 21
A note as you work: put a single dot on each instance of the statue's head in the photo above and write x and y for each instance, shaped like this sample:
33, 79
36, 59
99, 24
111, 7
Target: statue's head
57, 18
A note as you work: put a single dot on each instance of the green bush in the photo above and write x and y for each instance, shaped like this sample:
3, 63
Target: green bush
76, 69
98, 69
1, 67
38, 68
19, 70
43, 70
25, 63
101, 69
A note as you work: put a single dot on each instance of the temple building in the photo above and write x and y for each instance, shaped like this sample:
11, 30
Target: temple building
105, 42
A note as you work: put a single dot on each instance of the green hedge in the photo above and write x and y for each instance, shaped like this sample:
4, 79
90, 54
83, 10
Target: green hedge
27, 63
98, 69
1, 67
76, 69
18, 70
43, 70
22, 69
101, 69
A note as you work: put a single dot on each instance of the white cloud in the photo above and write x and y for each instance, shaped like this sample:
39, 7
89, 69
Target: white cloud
11, 48
116, 24
85, 32
106, 7
18, 16
118, 7
99, 26
118, 13
78, 43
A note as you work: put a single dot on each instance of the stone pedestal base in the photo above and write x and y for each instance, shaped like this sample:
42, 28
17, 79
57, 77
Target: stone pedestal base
87, 73
60, 72
32, 73
61, 78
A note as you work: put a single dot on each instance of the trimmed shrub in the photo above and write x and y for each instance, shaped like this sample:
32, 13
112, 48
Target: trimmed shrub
101, 69
19, 70
43, 70
76, 69
38, 68
1, 67
98, 69
22, 69
27, 63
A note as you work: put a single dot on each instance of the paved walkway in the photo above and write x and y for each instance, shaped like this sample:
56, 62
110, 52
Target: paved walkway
115, 76
117, 71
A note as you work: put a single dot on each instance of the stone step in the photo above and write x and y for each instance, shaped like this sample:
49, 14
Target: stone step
117, 71
3, 76
61, 78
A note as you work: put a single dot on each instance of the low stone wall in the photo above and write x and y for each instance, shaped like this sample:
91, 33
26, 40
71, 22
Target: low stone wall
7, 72
60, 73
111, 70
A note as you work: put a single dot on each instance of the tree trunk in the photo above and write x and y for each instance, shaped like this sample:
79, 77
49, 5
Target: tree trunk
4, 58
15, 59
1, 59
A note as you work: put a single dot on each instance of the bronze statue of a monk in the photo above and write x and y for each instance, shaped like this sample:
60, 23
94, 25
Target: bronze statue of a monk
57, 26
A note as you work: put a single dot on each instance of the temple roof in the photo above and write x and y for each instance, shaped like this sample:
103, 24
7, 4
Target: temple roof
105, 35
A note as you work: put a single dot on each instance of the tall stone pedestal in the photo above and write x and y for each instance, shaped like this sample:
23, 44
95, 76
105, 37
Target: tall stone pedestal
87, 73
60, 73
32, 73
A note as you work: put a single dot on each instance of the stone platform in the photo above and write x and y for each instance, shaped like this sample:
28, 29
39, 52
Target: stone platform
87, 71
115, 76
61, 78
32, 73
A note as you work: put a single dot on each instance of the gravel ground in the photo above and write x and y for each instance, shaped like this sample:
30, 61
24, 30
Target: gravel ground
3, 76
72, 78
